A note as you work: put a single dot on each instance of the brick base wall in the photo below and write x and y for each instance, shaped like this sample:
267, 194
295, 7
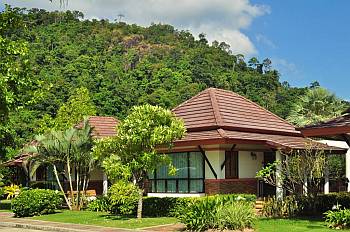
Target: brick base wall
224, 186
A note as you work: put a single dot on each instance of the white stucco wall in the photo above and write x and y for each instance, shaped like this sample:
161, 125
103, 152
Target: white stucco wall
247, 167
216, 158
335, 143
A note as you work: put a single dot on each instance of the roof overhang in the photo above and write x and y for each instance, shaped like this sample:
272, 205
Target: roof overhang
274, 142
325, 131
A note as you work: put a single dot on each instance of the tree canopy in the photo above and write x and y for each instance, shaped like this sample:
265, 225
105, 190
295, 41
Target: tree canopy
123, 65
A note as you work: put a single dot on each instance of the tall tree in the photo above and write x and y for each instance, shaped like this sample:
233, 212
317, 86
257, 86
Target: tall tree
13, 59
78, 106
318, 104
132, 154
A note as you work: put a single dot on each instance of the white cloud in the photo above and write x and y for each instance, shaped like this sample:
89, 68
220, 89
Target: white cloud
260, 38
222, 20
284, 66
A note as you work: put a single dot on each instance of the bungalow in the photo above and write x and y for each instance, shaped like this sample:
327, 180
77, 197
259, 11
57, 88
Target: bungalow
229, 138
334, 132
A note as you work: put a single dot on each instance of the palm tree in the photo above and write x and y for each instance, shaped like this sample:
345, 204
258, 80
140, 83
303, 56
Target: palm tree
317, 105
71, 148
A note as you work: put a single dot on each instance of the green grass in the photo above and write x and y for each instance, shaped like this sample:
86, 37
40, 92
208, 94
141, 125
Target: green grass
292, 225
104, 219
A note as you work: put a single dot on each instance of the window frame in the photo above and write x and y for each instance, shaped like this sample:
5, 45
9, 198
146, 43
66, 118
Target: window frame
188, 178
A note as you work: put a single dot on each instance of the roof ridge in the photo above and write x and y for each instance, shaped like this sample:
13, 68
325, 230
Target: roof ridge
215, 106
259, 106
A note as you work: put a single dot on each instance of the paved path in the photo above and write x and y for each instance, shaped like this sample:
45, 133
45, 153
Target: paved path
7, 220
9, 229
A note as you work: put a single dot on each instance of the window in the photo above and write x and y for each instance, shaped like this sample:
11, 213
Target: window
189, 177
231, 164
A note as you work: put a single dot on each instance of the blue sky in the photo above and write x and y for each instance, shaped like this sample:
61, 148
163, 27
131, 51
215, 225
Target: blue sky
306, 40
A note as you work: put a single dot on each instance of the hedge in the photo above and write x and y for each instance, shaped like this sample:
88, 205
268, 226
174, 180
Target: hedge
164, 207
36, 202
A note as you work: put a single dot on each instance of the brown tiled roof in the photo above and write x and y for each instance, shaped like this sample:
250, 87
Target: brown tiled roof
217, 108
336, 126
102, 126
221, 136
216, 116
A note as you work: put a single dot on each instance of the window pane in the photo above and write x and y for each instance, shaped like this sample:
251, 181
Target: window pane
171, 186
160, 186
151, 175
180, 162
162, 173
183, 186
196, 165
196, 186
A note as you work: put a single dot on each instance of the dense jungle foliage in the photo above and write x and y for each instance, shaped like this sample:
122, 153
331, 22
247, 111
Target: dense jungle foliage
123, 65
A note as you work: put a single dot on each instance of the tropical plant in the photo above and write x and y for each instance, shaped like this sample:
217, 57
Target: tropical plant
216, 212
317, 105
71, 149
338, 219
132, 153
12, 191
236, 215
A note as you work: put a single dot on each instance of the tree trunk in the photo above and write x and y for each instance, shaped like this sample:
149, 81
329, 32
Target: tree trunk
139, 204
59, 184
70, 183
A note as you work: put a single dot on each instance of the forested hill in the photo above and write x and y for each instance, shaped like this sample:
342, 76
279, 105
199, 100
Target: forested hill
124, 65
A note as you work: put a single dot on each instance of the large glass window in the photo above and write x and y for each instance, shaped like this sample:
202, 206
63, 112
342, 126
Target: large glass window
189, 177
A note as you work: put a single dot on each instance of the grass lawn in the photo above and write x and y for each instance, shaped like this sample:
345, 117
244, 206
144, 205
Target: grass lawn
103, 219
292, 225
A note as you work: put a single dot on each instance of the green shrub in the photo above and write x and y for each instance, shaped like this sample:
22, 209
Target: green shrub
160, 207
288, 207
236, 215
36, 202
123, 198
200, 214
338, 219
100, 204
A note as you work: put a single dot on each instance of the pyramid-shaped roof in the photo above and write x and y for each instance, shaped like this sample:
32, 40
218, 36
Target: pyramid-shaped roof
216, 108
216, 116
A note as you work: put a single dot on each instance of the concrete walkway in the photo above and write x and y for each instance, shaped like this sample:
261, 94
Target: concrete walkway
7, 220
